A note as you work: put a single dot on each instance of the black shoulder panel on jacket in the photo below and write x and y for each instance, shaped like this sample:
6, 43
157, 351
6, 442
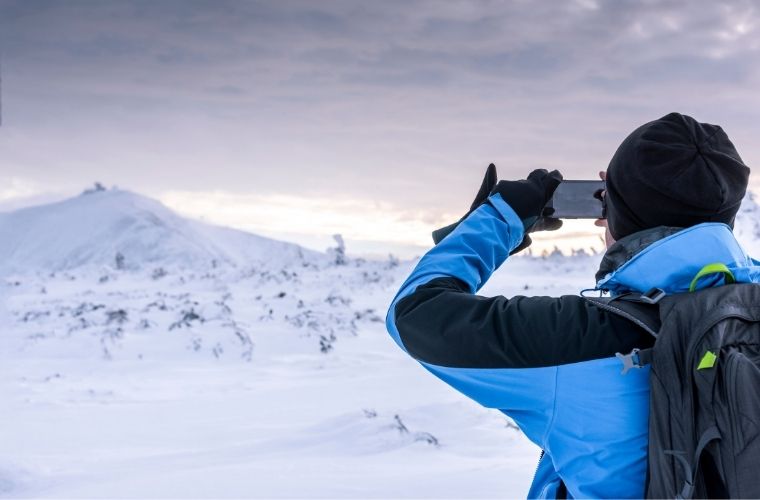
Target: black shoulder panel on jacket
441, 323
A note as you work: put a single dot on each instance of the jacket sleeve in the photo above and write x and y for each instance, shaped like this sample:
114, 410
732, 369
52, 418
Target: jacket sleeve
436, 318
503, 353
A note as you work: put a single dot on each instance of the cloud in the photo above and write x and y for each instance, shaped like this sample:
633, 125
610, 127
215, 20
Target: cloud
354, 219
18, 192
14, 188
398, 104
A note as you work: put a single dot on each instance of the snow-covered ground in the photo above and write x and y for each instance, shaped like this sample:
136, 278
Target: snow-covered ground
231, 366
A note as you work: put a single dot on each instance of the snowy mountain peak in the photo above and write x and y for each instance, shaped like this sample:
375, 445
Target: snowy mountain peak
119, 228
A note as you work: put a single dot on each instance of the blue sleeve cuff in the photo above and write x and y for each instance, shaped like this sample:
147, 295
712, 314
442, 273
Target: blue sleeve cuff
516, 226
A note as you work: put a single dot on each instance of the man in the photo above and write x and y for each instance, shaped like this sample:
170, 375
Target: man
549, 362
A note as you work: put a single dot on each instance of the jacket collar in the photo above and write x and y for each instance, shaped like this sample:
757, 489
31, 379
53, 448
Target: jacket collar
669, 258
626, 248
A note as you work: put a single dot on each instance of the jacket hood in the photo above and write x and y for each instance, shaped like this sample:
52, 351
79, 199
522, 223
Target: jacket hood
669, 258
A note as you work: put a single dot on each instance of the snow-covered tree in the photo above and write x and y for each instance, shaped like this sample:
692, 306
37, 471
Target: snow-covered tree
338, 253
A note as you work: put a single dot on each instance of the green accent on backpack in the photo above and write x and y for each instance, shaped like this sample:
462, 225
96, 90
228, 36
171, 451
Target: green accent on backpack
715, 267
708, 361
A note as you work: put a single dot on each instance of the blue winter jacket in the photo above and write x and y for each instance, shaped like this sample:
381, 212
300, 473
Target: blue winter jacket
548, 362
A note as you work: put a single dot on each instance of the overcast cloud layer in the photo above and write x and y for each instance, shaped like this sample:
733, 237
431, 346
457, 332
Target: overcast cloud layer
392, 106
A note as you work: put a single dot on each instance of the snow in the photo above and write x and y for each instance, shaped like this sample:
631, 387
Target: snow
245, 367
93, 228
747, 226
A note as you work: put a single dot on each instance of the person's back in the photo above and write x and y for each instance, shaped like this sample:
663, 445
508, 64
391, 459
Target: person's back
549, 362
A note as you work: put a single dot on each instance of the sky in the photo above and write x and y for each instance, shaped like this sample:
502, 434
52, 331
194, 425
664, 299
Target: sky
376, 120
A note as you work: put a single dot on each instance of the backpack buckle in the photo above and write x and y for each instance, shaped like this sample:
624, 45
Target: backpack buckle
630, 360
653, 296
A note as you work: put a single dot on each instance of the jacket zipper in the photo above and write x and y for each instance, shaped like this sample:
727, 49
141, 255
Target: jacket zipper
538, 465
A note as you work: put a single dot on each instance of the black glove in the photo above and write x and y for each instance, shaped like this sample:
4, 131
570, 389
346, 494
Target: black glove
528, 198
488, 184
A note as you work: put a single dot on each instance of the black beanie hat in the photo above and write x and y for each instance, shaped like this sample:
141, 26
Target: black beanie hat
675, 172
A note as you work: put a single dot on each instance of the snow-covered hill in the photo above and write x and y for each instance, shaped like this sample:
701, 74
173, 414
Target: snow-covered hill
119, 228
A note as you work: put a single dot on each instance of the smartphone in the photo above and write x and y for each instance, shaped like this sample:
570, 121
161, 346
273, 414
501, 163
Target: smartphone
571, 200
578, 200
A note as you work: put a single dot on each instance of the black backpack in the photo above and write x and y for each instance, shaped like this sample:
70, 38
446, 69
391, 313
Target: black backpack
704, 416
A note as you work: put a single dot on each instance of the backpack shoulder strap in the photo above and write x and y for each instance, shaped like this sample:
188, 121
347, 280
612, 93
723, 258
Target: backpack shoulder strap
640, 308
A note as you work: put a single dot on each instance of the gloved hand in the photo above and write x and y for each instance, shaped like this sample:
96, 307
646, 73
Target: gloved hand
528, 198
488, 184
